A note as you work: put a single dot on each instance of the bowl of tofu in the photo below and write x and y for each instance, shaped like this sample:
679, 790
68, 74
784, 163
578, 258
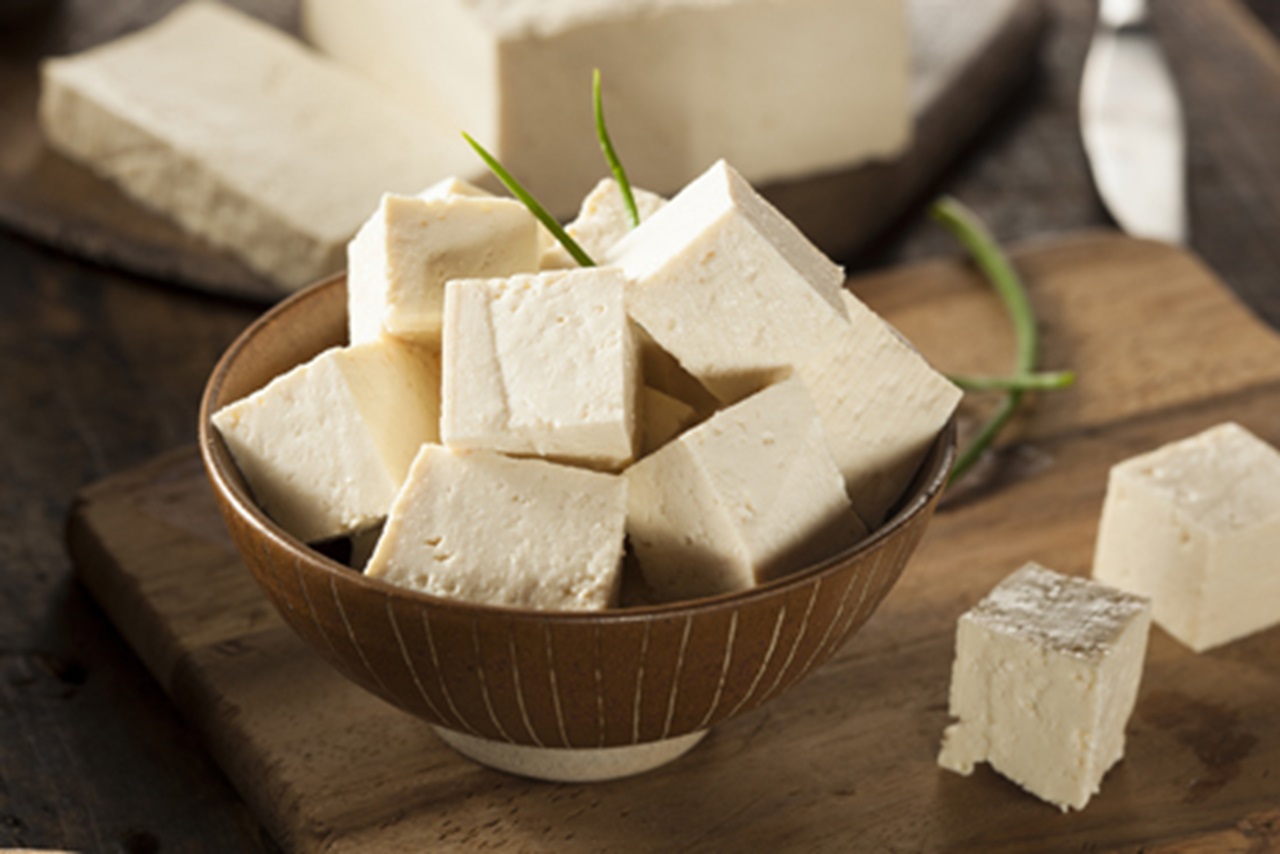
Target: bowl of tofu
574, 517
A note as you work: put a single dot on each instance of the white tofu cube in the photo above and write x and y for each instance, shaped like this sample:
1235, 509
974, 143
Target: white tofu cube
243, 136
881, 405
602, 221
686, 81
662, 419
400, 260
1045, 677
729, 286
481, 527
746, 497
326, 446
1195, 525
543, 365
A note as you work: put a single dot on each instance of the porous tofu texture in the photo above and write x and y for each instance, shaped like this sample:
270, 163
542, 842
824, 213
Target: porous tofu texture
1195, 525
729, 287
541, 365
485, 528
1045, 677
743, 498
404, 254
325, 447
243, 136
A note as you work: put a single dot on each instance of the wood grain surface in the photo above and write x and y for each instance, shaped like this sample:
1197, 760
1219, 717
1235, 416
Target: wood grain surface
847, 758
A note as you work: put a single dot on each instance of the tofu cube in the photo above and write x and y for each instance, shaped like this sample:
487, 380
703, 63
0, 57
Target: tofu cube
686, 81
1045, 677
541, 365
745, 497
243, 136
662, 418
400, 260
602, 221
326, 446
881, 405
481, 527
729, 287
1195, 525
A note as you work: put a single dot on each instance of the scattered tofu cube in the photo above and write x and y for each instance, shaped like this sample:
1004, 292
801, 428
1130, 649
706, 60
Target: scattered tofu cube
243, 136
401, 258
881, 405
1195, 525
746, 497
1045, 677
685, 81
481, 527
602, 221
729, 287
541, 364
662, 419
326, 446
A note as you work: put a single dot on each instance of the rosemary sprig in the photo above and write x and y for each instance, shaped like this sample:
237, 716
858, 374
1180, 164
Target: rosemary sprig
986, 253
535, 208
611, 155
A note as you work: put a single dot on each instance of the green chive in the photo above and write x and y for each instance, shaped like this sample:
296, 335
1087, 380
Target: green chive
610, 155
1045, 381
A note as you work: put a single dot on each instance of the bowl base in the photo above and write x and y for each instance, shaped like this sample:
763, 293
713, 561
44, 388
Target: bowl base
569, 765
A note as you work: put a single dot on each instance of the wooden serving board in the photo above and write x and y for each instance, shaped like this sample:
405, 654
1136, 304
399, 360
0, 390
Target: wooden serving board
845, 761
967, 58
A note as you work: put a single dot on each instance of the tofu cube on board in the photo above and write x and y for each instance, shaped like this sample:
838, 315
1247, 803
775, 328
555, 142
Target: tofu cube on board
1045, 677
402, 256
729, 287
326, 446
1195, 525
541, 364
743, 498
602, 221
485, 528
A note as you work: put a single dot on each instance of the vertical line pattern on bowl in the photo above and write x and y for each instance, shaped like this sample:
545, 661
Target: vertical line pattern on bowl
831, 625
795, 647
408, 662
635, 709
599, 675
311, 608
724, 670
351, 635
515, 676
764, 665
484, 683
444, 686
675, 678
555, 688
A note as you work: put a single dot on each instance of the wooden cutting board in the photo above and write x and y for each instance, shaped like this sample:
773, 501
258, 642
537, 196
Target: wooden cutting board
967, 58
846, 760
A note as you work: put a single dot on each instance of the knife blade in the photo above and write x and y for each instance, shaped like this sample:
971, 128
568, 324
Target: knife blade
1132, 125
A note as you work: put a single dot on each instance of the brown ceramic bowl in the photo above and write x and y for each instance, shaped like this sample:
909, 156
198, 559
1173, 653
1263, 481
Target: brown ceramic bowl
555, 695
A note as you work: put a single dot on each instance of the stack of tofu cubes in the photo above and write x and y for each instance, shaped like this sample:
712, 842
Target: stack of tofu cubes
708, 391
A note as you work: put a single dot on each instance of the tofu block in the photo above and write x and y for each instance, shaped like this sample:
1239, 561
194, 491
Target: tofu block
402, 256
1045, 677
602, 221
661, 372
242, 136
1195, 525
685, 81
326, 446
729, 287
481, 527
662, 419
541, 365
741, 499
881, 405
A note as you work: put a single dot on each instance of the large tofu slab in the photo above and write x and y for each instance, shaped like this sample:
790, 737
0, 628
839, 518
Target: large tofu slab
541, 365
243, 136
729, 287
782, 89
1195, 525
326, 446
485, 528
1045, 677
745, 497
881, 405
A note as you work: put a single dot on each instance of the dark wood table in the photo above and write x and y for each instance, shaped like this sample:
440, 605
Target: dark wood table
102, 370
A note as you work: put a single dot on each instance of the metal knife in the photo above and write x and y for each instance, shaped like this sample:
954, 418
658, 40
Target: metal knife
1132, 124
